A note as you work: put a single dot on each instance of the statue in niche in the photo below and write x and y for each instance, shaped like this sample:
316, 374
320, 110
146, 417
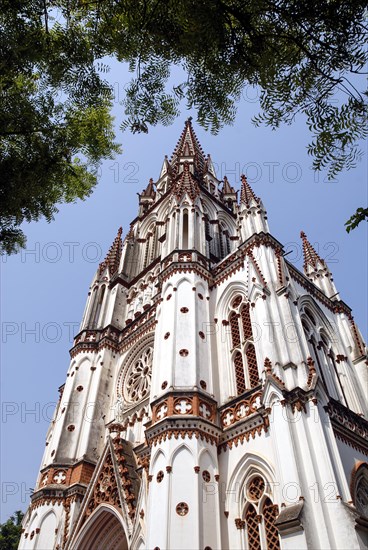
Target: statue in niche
119, 409
147, 293
138, 303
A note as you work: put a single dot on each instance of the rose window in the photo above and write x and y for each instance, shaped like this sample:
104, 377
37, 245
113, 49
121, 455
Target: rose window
137, 381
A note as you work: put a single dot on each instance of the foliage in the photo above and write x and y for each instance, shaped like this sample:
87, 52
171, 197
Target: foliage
55, 116
307, 58
360, 215
10, 532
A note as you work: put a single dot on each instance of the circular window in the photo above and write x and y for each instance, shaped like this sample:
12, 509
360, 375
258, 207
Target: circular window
182, 509
206, 476
137, 380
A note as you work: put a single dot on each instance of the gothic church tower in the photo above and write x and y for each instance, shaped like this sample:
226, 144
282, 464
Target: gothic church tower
216, 396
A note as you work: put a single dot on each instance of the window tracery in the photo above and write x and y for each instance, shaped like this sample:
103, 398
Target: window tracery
260, 515
136, 382
243, 350
322, 353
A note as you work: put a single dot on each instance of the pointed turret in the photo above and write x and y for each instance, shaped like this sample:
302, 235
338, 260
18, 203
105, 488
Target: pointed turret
253, 215
165, 178
227, 188
209, 166
247, 195
166, 167
228, 194
316, 268
147, 197
113, 256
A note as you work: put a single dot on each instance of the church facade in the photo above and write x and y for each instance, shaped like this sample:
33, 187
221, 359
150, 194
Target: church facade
216, 396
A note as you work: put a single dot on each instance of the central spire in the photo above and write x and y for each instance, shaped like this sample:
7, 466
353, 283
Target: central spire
188, 149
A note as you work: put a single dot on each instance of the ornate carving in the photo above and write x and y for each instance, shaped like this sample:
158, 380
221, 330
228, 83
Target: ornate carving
240, 523
348, 426
241, 409
105, 490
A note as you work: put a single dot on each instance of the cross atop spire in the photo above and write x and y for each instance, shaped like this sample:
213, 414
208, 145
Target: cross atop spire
247, 195
311, 258
188, 146
112, 259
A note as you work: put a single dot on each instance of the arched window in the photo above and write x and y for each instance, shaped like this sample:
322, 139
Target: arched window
185, 230
234, 326
323, 356
208, 236
250, 354
153, 246
252, 525
96, 310
239, 373
269, 512
260, 515
224, 240
242, 346
329, 362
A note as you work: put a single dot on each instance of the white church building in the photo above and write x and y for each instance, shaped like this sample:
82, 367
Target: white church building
216, 396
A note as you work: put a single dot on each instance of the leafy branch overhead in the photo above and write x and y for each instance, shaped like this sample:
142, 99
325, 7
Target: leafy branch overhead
56, 124
307, 58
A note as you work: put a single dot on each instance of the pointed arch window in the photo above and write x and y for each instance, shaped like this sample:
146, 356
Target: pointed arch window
243, 350
323, 356
98, 300
260, 515
269, 512
252, 526
153, 246
185, 230
150, 248
252, 366
224, 240
234, 326
239, 373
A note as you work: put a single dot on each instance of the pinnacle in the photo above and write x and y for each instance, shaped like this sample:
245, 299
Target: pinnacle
227, 188
150, 190
112, 259
247, 194
188, 145
310, 255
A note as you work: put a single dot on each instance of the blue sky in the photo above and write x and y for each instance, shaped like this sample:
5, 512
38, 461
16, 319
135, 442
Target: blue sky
44, 289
